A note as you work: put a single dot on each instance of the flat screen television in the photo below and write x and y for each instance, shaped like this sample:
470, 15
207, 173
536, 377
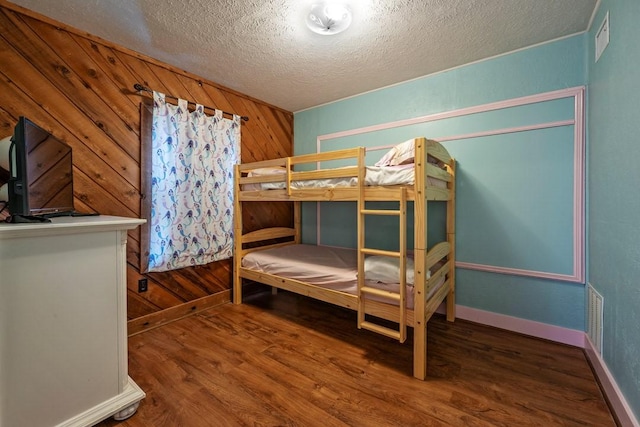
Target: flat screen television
41, 172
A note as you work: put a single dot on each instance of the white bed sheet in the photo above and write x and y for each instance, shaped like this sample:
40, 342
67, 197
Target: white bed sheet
328, 267
375, 176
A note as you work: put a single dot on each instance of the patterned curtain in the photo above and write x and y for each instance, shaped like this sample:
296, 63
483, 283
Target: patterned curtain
192, 185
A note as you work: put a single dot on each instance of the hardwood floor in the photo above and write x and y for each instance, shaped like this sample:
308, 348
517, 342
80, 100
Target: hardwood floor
286, 360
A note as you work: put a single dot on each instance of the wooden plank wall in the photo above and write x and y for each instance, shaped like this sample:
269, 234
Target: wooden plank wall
80, 88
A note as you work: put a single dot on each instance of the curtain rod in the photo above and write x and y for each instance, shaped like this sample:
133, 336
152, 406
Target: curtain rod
141, 88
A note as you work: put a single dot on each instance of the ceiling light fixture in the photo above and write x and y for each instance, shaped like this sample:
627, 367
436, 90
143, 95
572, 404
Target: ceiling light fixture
328, 18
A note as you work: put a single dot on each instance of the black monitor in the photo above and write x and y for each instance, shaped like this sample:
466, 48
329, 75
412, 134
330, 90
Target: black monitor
41, 172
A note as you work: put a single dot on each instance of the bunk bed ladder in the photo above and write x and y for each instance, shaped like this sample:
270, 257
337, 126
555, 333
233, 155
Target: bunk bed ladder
366, 291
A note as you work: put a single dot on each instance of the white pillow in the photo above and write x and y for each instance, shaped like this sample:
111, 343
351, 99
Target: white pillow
399, 155
386, 269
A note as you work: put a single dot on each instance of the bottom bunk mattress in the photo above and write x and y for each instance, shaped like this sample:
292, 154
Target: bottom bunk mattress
332, 268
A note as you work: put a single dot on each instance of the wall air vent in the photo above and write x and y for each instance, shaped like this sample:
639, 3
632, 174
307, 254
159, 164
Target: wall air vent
595, 317
602, 36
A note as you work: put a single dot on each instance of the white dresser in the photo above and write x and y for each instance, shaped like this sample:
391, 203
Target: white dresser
63, 322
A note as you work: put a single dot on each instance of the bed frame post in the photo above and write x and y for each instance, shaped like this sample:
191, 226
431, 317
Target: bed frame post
451, 238
419, 328
297, 223
420, 260
237, 237
360, 205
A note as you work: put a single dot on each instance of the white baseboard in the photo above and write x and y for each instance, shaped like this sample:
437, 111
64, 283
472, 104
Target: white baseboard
515, 324
617, 402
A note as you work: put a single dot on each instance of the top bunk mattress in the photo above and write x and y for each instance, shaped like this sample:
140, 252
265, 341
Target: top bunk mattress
375, 176
396, 168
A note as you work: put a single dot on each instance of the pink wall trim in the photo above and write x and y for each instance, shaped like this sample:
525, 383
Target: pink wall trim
545, 331
579, 189
508, 130
578, 274
516, 271
531, 99
617, 402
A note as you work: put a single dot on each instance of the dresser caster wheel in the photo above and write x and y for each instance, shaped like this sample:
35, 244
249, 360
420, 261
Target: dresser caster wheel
126, 412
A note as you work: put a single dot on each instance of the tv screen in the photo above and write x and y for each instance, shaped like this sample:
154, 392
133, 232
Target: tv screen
41, 172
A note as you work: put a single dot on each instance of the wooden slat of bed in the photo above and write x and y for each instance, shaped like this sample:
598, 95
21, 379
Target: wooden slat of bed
331, 296
385, 311
325, 174
263, 164
261, 179
268, 233
435, 149
435, 194
349, 153
438, 173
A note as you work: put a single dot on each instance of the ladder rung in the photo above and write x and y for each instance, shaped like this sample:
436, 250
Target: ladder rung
380, 212
380, 252
391, 333
380, 292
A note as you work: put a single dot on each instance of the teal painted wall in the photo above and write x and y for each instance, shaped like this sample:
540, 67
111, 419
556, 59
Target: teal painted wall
614, 190
549, 67
514, 190
545, 68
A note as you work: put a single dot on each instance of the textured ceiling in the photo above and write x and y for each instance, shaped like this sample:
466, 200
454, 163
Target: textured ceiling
263, 48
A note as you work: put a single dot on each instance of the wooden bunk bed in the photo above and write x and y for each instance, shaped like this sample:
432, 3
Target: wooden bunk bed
433, 268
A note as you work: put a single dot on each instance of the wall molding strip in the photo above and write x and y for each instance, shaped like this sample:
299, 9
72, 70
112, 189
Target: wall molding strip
577, 93
515, 271
506, 131
483, 108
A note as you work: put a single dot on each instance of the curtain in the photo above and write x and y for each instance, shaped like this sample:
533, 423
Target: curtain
191, 185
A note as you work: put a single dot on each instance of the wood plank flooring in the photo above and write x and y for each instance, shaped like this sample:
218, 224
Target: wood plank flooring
287, 360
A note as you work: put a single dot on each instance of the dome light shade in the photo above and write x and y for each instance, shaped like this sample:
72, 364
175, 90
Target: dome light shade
328, 18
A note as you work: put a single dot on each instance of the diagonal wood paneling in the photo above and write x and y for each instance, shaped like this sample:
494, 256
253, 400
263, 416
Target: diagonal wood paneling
80, 88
